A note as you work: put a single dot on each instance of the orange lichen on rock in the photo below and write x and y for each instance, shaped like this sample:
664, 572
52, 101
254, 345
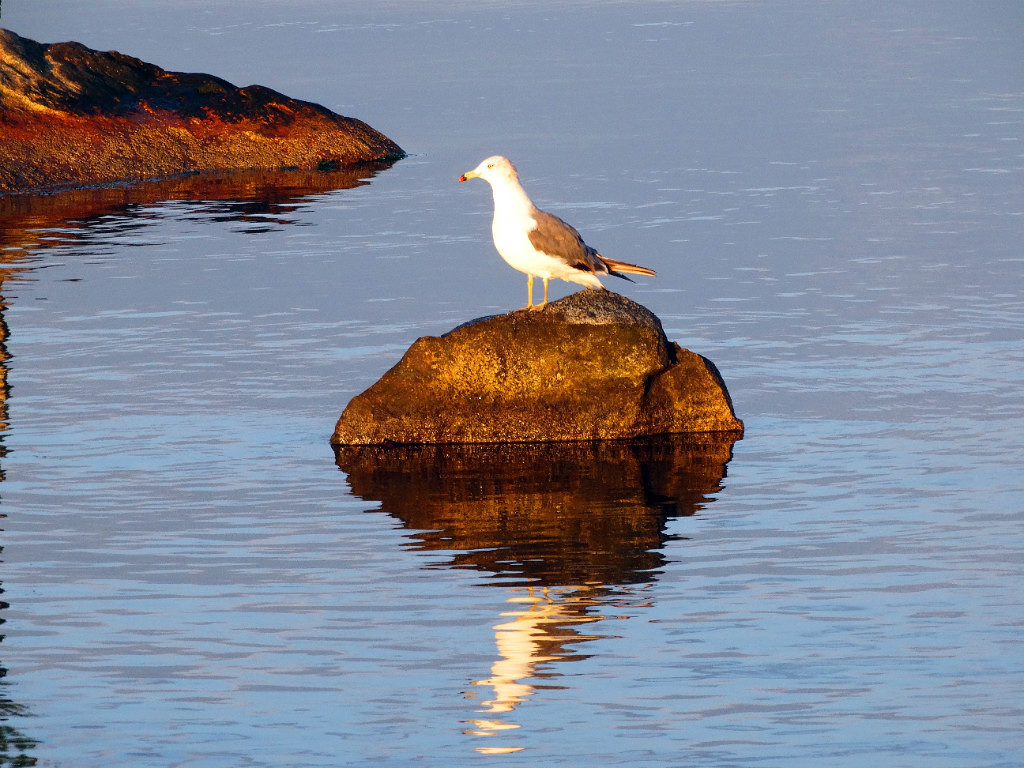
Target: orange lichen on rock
71, 116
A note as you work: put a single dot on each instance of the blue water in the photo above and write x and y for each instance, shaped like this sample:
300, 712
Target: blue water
832, 196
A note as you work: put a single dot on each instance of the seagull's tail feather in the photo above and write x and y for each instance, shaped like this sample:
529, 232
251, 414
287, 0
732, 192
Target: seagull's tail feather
621, 268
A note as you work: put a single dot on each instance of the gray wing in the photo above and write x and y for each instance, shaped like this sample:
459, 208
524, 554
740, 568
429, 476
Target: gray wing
561, 241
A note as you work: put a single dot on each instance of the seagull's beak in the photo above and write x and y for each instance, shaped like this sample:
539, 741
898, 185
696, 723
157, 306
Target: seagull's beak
468, 175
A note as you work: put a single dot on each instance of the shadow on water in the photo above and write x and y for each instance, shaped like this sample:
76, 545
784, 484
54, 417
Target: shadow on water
568, 530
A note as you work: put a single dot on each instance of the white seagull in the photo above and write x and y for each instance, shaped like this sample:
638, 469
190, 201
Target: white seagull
537, 243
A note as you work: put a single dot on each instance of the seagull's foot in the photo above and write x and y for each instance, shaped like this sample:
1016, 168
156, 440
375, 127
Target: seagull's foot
531, 307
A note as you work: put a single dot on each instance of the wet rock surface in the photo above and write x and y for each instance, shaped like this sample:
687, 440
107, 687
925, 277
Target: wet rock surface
73, 116
592, 366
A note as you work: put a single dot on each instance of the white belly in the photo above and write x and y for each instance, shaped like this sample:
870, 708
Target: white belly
511, 238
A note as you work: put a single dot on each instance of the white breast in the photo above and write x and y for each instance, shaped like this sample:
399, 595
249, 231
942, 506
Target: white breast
510, 229
512, 242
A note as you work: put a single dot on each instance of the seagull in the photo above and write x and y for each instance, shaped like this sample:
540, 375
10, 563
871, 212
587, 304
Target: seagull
538, 243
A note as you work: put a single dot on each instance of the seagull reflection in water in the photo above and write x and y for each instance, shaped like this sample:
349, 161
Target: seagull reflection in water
568, 530
525, 644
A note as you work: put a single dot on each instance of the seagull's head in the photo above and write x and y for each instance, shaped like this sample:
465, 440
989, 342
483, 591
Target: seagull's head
493, 169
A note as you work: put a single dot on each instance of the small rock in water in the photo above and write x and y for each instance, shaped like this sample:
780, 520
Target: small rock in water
592, 366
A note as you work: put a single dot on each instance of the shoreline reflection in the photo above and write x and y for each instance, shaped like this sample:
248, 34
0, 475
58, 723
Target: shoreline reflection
264, 199
571, 532
15, 746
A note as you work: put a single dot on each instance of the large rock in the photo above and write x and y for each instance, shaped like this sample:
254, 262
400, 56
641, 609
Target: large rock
592, 366
71, 116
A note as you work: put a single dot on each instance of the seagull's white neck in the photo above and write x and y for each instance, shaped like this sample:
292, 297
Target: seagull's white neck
510, 199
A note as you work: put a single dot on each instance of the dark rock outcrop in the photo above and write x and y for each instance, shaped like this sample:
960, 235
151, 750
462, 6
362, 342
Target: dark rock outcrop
592, 366
71, 116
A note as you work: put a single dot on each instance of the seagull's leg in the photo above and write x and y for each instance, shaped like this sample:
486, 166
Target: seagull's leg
538, 306
529, 291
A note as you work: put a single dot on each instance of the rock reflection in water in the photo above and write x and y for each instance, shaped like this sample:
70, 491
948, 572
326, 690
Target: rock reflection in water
265, 198
564, 528
14, 745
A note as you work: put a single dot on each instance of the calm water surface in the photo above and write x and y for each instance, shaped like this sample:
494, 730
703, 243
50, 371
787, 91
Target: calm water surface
832, 195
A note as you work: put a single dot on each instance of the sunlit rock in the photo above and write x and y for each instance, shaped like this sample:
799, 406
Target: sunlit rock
71, 116
592, 366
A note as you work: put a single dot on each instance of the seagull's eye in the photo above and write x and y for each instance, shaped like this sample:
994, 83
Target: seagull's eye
490, 165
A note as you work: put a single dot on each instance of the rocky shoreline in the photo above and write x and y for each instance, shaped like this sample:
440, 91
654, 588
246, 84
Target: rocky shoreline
71, 116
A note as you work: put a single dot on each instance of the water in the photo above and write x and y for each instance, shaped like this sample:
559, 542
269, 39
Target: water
832, 196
